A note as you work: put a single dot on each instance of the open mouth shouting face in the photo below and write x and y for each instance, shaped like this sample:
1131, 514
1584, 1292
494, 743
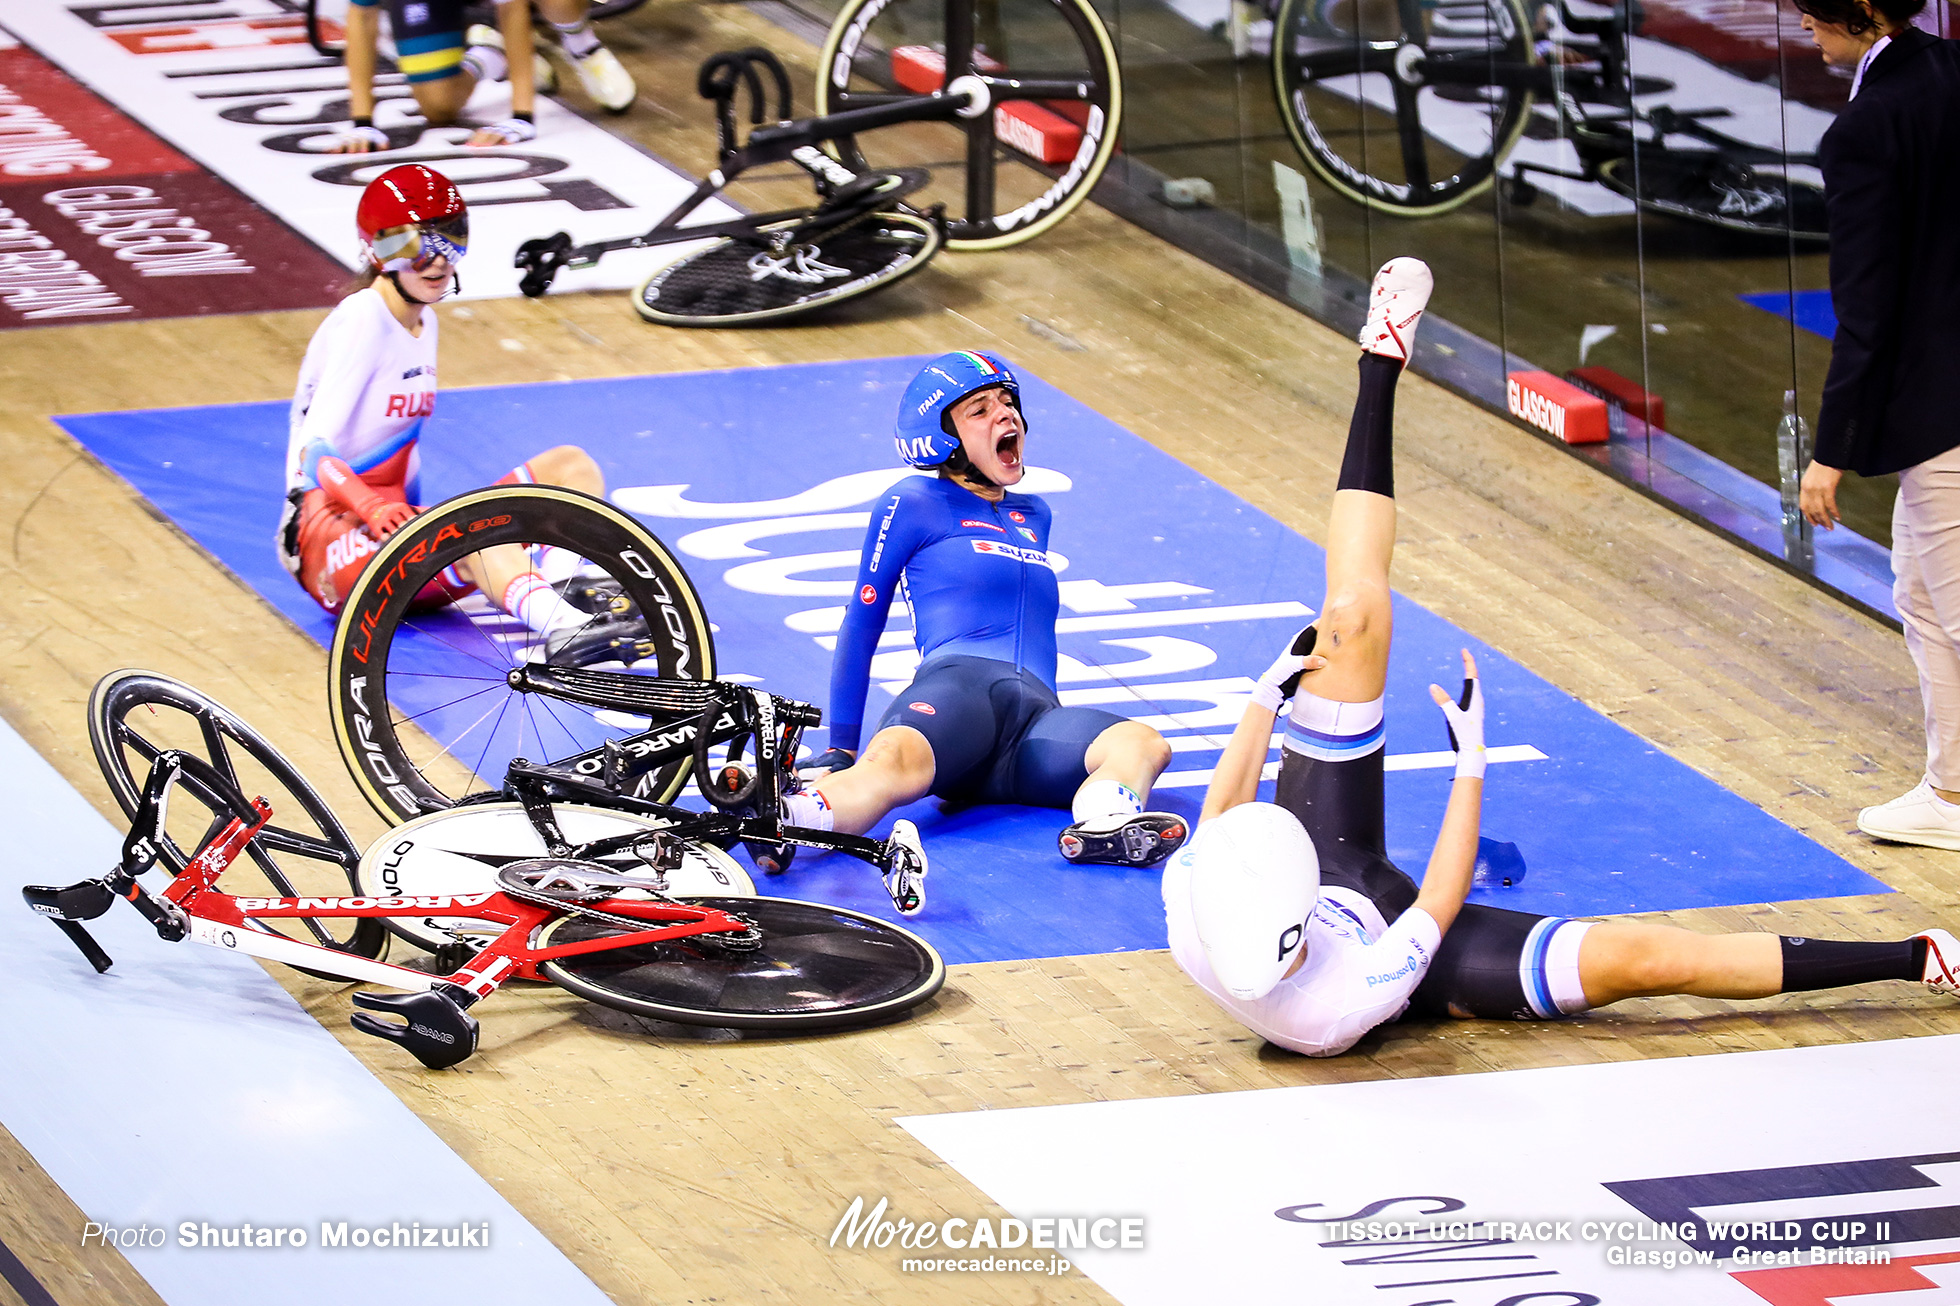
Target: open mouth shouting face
992, 432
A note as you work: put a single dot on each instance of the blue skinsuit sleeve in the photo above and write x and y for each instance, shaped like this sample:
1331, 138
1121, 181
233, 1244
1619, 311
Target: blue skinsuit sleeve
891, 537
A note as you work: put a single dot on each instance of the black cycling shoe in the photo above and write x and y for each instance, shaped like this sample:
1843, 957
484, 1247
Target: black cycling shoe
770, 858
594, 594
613, 638
1141, 840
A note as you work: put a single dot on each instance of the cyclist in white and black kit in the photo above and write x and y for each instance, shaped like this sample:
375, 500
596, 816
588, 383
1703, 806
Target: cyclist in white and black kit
1290, 914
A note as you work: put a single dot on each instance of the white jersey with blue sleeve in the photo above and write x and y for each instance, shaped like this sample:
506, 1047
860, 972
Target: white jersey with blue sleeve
1358, 972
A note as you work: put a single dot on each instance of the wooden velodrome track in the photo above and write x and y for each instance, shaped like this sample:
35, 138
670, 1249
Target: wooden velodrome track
675, 1169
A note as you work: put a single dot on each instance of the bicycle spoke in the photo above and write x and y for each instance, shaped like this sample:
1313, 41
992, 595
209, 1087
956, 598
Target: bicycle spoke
1048, 86
214, 746
1347, 61
465, 734
429, 633
303, 845
277, 875
476, 772
1415, 148
401, 718
980, 167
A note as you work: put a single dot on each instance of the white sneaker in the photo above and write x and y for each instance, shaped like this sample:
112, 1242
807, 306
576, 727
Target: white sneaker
606, 80
1395, 304
1919, 816
1942, 962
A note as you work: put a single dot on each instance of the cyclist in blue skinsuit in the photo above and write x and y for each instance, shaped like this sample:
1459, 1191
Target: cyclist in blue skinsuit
980, 721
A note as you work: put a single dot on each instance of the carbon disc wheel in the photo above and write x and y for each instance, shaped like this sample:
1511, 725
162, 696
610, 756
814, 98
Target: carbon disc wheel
818, 968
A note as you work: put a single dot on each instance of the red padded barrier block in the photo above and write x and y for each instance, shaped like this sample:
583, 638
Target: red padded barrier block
1558, 408
1644, 404
1035, 130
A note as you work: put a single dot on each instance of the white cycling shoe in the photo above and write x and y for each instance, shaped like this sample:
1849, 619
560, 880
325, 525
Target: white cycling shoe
1942, 962
1395, 305
606, 80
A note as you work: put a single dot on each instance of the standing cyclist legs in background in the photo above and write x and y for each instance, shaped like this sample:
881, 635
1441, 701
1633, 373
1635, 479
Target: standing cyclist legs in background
981, 721
599, 70
443, 64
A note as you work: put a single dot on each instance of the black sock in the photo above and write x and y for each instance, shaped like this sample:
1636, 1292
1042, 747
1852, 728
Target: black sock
1832, 963
1370, 460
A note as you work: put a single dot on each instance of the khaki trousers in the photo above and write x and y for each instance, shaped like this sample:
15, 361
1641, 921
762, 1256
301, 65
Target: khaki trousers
1926, 587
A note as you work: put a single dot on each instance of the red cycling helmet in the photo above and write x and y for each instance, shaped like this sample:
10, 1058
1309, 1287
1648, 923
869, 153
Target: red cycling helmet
408, 216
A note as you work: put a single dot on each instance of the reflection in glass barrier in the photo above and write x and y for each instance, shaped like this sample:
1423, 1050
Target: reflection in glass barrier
1620, 200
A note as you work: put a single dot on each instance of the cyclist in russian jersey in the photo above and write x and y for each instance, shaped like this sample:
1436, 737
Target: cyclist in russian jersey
353, 464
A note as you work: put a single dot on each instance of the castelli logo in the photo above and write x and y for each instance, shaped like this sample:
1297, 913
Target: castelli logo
925, 708
867, 595
1015, 516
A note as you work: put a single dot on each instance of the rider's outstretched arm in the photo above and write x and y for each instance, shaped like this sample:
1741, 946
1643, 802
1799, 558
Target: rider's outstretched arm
1447, 880
1235, 779
889, 542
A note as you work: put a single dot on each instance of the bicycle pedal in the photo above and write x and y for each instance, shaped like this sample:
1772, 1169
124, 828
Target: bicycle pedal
434, 1028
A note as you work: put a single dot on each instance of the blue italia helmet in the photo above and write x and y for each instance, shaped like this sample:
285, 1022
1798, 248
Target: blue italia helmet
925, 426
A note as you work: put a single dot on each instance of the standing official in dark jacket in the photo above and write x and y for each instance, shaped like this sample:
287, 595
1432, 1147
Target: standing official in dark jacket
1891, 165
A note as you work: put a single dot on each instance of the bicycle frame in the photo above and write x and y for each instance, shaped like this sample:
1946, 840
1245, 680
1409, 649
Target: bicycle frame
785, 141
437, 1029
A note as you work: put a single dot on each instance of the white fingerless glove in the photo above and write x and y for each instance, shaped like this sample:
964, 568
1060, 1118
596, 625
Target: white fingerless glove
1465, 719
515, 131
369, 135
1283, 677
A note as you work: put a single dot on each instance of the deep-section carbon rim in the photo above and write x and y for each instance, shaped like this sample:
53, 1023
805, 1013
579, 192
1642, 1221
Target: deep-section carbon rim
995, 194
818, 968
135, 715
420, 699
1409, 150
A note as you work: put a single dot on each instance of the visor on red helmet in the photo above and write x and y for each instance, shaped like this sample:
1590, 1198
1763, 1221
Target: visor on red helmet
418, 244
409, 216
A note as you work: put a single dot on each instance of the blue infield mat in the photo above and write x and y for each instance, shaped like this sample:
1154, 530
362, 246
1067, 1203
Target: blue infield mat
1809, 309
1176, 594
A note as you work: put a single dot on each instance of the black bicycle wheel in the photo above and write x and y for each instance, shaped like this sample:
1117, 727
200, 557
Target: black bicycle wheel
818, 968
742, 282
305, 850
419, 689
1014, 170
1718, 192
1400, 107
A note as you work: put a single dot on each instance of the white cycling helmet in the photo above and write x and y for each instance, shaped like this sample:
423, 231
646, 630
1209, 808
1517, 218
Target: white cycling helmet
1254, 880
